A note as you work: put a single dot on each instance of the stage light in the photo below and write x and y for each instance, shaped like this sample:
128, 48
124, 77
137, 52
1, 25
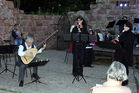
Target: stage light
123, 4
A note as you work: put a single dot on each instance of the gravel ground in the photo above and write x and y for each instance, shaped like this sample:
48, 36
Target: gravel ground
57, 76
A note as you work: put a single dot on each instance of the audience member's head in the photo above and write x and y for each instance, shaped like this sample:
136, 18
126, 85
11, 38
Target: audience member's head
124, 17
91, 32
98, 31
117, 71
16, 26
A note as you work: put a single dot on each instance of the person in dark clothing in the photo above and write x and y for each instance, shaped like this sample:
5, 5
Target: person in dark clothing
121, 27
126, 40
89, 52
17, 35
78, 49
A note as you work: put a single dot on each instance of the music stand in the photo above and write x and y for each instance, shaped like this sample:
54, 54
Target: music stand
121, 22
7, 41
7, 49
136, 20
78, 37
110, 24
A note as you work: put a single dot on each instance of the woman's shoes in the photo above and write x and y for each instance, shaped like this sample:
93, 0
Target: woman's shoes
21, 83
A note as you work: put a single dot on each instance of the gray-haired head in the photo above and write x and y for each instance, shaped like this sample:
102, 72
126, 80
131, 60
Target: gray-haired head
117, 71
29, 39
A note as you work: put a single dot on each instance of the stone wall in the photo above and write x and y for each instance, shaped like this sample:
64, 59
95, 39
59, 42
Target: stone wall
43, 26
40, 27
105, 11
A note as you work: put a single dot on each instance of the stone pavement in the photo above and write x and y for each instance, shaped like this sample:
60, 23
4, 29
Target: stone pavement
57, 76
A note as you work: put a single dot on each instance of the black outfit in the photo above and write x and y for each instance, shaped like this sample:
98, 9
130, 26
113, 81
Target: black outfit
78, 51
125, 53
89, 57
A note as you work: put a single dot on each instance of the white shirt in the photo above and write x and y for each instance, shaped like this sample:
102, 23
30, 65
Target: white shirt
72, 28
137, 28
21, 48
100, 37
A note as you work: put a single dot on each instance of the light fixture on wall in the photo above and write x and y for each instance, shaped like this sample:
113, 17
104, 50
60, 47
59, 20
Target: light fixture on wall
122, 4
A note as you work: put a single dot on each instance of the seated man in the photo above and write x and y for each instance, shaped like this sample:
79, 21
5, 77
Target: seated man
27, 45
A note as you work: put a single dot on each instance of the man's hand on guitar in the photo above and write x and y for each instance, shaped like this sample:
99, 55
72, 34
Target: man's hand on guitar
44, 46
29, 55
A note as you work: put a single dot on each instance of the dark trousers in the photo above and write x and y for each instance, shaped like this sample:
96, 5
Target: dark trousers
89, 56
120, 55
137, 38
22, 68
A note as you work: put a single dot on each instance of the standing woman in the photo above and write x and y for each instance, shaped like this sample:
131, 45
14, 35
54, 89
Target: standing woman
78, 49
126, 40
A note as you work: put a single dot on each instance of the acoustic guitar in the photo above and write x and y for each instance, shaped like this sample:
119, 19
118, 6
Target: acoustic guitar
33, 51
27, 59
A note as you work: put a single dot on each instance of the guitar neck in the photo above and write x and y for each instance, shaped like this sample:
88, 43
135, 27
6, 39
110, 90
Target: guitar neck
44, 41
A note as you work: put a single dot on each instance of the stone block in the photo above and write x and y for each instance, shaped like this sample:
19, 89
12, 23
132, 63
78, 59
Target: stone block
1, 23
92, 18
39, 23
110, 18
10, 4
15, 12
101, 11
99, 17
47, 17
93, 6
113, 12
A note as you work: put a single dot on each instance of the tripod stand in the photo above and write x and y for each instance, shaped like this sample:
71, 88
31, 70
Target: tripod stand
6, 50
35, 81
6, 68
79, 43
78, 62
78, 77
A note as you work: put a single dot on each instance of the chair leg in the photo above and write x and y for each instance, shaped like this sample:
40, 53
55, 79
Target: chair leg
66, 56
30, 72
0, 64
26, 72
14, 70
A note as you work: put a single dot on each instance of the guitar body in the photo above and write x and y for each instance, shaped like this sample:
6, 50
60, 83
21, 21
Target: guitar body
26, 59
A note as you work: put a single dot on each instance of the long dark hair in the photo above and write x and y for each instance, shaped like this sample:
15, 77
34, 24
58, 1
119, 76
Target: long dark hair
128, 24
81, 18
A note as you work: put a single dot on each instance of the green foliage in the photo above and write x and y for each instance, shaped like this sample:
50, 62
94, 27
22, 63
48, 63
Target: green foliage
7, 90
50, 7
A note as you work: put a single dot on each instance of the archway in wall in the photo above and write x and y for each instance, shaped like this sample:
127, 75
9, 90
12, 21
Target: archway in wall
63, 28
